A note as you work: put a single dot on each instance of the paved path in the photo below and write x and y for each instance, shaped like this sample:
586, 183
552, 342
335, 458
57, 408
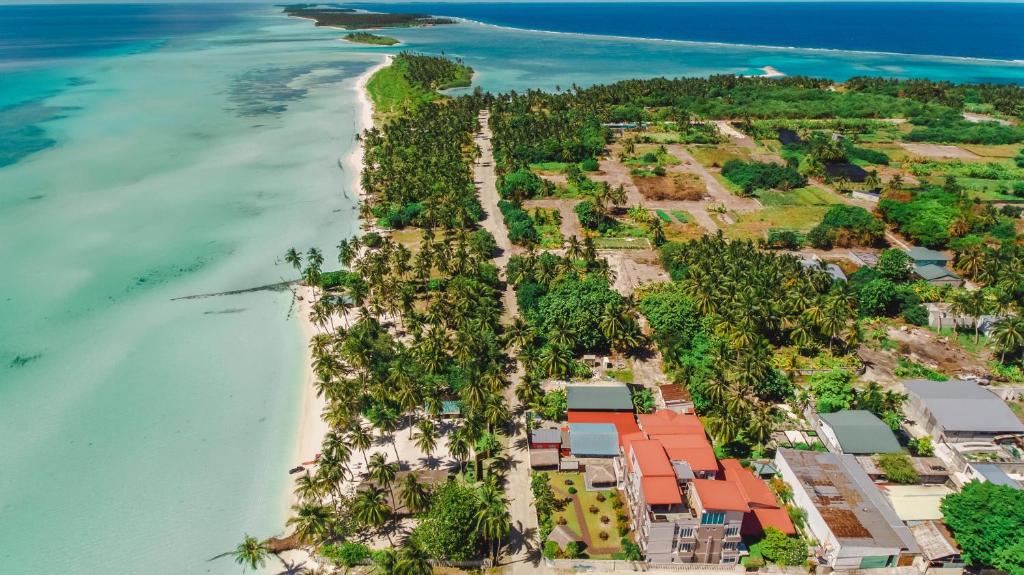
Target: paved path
522, 553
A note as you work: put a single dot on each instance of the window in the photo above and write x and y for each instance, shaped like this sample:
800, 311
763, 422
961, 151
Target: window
686, 532
685, 547
732, 531
713, 518
730, 545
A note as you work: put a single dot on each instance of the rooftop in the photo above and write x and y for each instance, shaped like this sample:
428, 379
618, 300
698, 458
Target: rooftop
965, 406
718, 495
546, 435
860, 431
755, 492
665, 422
934, 272
917, 502
854, 510
599, 398
600, 439
994, 474
918, 253
935, 540
625, 423
544, 457
673, 392
651, 458
661, 491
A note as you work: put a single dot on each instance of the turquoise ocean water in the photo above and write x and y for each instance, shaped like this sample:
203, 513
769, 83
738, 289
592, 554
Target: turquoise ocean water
140, 433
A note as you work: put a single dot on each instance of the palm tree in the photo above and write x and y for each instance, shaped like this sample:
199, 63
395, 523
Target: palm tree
413, 560
493, 522
307, 488
556, 361
293, 257
382, 472
1008, 334
251, 553
415, 496
370, 508
426, 437
361, 439
459, 445
312, 523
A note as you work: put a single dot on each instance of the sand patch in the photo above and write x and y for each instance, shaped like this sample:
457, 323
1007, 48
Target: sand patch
939, 151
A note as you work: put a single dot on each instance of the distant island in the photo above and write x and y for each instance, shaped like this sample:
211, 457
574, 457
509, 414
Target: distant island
367, 38
351, 20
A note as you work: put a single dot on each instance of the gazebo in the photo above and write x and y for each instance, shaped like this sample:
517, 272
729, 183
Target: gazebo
562, 536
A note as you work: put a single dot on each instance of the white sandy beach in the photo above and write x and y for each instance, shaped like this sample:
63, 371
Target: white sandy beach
312, 427
772, 72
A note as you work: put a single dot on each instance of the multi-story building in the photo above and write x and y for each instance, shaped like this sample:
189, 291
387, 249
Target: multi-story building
680, 511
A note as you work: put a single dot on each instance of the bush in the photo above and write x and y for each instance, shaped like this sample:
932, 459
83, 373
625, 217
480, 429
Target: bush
572, 491
600, 497
605, 519
630, 550
347, 554
922, 447
588, 215
589, 165
820, 238
551, 550
762, 175
898, 468
868, 155
781, 549
521, 184
847, 226
561, 520
603, 535
574, 550
894, 265
783, 240
593, 509
916, 315
650, 158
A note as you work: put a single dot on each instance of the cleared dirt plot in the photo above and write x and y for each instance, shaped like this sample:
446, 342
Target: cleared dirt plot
940, 151
634, 268
672, 187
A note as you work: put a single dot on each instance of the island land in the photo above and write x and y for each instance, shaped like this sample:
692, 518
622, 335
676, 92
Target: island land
367, 38
574, 318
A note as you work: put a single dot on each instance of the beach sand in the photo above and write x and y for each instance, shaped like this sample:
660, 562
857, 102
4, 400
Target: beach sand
312, 428
771, 72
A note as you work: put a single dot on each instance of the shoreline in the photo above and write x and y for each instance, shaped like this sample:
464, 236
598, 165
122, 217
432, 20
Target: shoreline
312, 427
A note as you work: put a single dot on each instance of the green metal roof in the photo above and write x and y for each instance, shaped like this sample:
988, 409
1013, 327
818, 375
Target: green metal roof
918, 253
934, 272
599, 398
450, 407
593, 439
860, 431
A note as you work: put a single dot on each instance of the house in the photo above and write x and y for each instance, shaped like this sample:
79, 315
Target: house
850, 518
941, 316
450, 408
541, 459
959, 411
599, 476
593, 440
684, 508
599, 398
938, 548
429, 477
676, 398
926, 257
624, 421
938, 275
546, 438
831, 269
995, 474
856, 431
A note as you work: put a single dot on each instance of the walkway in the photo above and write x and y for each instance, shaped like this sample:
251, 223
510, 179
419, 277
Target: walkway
523, 550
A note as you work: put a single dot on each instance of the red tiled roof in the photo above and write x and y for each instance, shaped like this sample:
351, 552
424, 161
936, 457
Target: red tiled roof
718, 495
665, 422
625, 423
674, 392
756, 522
699, 458
651, 457
661, 491
755, 491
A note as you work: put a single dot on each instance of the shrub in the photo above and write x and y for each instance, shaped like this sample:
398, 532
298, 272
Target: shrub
922, 447
561, 520
568, 481
572, 491
551, 550
916, 315
847, 226
601, 497
781, 549
650, 158
574, 550
762, 175
589, 165
603, 535
593, 509
898, 468
521, 184
630, 550
347, 554
659, 171
605, 519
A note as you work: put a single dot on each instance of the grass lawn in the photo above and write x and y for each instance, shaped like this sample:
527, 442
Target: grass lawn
550, 236
549, 167
681, 216
1018, 408
623, 375
664, 216
622, 243
756, 224
391, 92
712, 155
755, 551
807, 196
583, 500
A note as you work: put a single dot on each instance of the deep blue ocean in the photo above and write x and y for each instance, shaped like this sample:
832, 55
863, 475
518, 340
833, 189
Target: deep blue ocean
976, 30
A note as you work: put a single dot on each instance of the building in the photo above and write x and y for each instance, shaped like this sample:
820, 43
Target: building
856, 431
916, 503
959, 411
831, 269
546, 438
931, 266
995, 474
593, 440
938, 548
846, 170
941, 316
938, 275
930, 470
541, 459
854, 524
599, 398
676, 398
680, 510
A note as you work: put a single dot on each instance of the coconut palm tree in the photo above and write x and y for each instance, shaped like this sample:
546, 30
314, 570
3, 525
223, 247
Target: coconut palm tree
251, 553
493, 522
1008, 334
459, 446
383, 472
412, 560
426, 438
312, 523
294, 258
370, 508
415, 496
360, 438
307, 488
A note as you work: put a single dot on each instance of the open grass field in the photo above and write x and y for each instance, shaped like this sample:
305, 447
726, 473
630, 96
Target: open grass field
580, 505
391, 92
755, 225
711, 156
807, 196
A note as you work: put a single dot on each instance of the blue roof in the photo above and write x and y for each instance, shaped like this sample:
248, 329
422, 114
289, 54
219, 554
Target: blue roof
993, 474
450, 407
593, 439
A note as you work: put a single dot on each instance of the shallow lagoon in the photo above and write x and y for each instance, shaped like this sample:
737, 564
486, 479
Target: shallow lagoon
144, 433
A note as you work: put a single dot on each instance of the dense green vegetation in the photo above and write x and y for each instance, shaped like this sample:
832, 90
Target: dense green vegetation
987, 520
412, 80
847, 226
1005, 98
351, 20
751, 176
934, 216
372, 39
898, 468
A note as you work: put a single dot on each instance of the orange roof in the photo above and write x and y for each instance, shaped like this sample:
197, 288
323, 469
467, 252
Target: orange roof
756, 522
718, 495
665, 422
661, 491
755, 491
651, 457
699, 458
625, 423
